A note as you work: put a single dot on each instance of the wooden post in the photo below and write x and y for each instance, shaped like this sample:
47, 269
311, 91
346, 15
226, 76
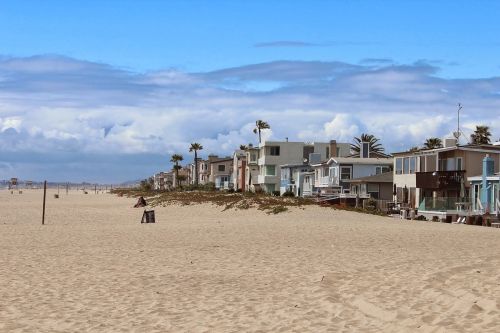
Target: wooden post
95, 189
67, 185
44, 196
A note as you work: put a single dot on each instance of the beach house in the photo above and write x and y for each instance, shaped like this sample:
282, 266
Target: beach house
333, 176
220, 171
274, 154
378, 186
203, 171
434, 180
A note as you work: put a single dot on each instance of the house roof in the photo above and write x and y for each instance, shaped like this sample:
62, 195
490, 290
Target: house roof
496, 176
386, 177
219, 160
478, 148
294, 165
357, 160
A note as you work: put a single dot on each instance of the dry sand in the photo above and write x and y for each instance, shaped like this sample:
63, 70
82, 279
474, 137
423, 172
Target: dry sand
95, 268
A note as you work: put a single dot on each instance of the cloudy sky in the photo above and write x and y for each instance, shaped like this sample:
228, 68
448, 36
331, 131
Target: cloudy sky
106, 91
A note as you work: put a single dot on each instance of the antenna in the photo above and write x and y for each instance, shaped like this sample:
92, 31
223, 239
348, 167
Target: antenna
457, 133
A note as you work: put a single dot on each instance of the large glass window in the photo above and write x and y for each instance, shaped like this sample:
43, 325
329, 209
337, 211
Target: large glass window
366, 150
274, 151
345, 173
399, 166
222, 168
270, 170
413, 164
406, 165
382, 169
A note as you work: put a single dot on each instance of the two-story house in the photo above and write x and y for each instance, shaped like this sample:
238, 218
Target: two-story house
333, 175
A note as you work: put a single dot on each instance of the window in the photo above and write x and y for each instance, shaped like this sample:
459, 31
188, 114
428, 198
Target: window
442, 165
365, 149
306, 179
406, 165
221, 167
413, 164
382, 169
373, 190
327, 152
399, 166
459, 163
270, 170
326, 172
253, 157
274, 151
345, 173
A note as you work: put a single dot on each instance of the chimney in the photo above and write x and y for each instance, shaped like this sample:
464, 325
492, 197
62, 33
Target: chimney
333, 148
212, 158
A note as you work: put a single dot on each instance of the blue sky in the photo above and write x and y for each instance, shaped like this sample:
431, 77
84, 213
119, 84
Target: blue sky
145, 78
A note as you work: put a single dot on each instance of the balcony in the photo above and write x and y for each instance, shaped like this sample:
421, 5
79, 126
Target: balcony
440, 180
267, 179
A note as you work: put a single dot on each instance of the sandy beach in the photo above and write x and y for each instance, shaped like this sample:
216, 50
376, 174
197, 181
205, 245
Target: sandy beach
94, 268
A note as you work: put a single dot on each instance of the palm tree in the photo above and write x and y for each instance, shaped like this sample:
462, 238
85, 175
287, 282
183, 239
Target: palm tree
243, 147
375, 147
414, 149
259, 126
176, 158
433, 143
481, 135
195, 147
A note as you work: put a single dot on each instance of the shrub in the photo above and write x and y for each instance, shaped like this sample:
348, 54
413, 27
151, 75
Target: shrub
288, 194
276, 193
277, 209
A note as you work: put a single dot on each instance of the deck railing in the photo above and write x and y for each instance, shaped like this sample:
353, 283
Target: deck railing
441, 204
440, 179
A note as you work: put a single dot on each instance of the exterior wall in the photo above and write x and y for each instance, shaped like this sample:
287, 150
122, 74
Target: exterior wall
217, 176
251, 168
239, 170
386, 191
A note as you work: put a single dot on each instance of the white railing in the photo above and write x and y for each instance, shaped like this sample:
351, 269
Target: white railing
479, 206
497, 201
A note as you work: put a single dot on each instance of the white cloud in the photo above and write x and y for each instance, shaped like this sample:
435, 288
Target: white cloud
59, 104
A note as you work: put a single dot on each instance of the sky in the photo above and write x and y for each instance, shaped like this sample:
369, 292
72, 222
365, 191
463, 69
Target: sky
106, 91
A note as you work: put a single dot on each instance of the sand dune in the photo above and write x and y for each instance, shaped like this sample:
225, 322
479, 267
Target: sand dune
95, 268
